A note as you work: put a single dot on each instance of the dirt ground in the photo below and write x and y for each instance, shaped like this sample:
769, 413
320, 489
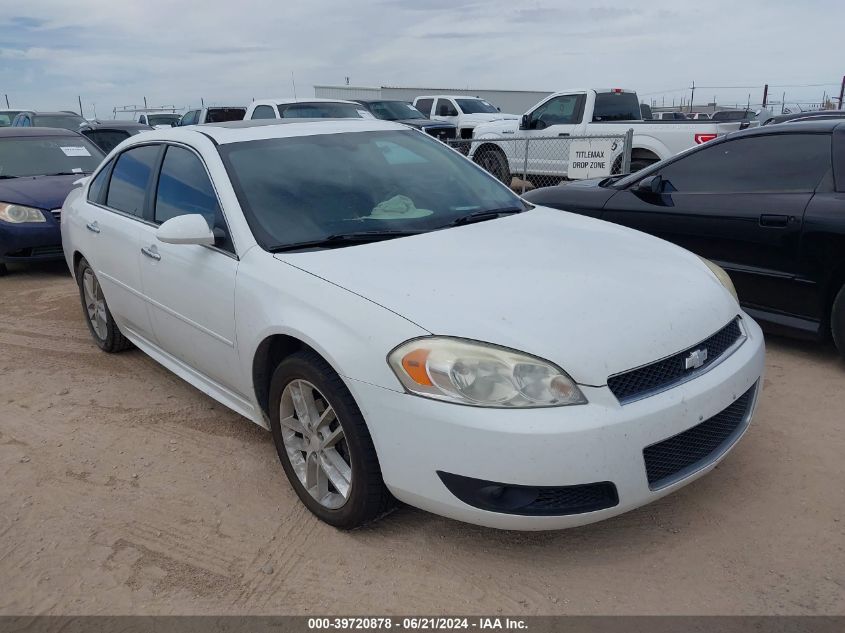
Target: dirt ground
124, 490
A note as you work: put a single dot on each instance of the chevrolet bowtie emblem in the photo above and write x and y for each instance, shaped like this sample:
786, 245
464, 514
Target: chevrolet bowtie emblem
696, 359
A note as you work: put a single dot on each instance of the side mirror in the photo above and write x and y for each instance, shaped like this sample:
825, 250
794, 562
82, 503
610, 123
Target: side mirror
650, 184
186, 229
524, 122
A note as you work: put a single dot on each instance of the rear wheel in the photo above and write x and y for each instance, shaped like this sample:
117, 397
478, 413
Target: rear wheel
98, 317
837, 321
324, 444
495, 162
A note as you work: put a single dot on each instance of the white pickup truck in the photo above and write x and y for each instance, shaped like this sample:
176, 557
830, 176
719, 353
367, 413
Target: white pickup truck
500, 146
465, 113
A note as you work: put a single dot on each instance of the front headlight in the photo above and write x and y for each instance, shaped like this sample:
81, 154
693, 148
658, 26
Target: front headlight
481, 375
18, 214
722, 276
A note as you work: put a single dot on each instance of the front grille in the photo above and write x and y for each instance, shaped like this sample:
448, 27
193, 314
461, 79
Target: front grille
681, 455
46, 251
643, 381
441, 133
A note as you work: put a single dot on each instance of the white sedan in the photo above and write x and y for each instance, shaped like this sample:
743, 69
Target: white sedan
410, 329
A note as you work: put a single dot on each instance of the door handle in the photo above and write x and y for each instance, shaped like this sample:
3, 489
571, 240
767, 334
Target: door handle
151, 252
93, 227
774, 220
564, 134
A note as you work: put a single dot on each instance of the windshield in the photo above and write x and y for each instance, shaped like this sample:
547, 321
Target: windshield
42, 155
66, 121
7, 117
394, 110
320, 110
163, 119
732, 115
307, 188
476, 106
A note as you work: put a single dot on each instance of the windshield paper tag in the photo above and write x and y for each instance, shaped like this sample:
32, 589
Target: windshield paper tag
75, 151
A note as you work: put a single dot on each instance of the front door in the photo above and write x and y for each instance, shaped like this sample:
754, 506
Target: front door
549, 126
741, 204
190, 289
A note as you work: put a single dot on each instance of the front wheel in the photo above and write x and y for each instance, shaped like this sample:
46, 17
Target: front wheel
837, 321
98, 317
495, 162
324, 444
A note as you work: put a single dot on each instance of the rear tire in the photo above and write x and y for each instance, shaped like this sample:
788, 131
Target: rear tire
98, 317
324, 444
837, 321
641, 163
496, 163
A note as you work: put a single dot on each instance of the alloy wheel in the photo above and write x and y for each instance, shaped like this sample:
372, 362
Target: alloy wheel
315, 444
95, 303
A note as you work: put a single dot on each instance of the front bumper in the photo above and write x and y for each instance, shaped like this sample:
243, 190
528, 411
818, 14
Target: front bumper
31, 242
602, 441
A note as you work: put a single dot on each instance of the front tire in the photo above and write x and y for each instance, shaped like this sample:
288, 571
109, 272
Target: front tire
324, 444
98, 317
837, 321
495, 162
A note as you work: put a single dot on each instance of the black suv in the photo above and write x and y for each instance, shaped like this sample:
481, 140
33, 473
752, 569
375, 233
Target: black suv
766, 204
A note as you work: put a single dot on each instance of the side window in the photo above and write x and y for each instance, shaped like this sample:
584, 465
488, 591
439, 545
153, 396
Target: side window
142, 119
445, 108
25, 122
263, 112
562, 110
424, 106
97, 189
130, 178
190, 117
183, 188
106, 140
776, 163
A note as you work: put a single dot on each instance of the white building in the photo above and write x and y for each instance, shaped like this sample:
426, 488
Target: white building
511, 101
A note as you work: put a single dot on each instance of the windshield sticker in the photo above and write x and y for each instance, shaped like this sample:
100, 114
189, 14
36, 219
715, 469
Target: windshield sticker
75, 151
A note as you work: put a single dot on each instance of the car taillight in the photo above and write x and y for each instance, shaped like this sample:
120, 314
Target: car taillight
703, 138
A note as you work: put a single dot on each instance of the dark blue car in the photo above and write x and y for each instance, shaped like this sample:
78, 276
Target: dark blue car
38, 167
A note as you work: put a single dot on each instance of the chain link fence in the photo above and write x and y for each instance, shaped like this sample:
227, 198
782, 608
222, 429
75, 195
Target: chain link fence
529, 162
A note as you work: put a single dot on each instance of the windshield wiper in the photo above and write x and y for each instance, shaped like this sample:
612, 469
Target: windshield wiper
8, 177
68, 173
485, 214
343, 239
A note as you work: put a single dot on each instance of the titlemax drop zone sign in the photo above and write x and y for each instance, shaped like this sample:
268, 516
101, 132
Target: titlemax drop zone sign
592, 158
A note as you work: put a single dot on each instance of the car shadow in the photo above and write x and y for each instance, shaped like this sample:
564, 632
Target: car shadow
38, 270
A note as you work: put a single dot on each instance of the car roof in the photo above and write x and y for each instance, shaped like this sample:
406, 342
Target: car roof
289, 100
823, 126
12, 132
117, 125
253, 130
46, 113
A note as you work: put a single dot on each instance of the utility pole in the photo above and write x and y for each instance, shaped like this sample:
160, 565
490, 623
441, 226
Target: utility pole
692, 96
765, 95
840, 97
841, 93
79, 98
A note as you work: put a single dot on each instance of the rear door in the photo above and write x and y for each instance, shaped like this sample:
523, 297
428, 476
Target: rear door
739, 203
113, 220
191, 289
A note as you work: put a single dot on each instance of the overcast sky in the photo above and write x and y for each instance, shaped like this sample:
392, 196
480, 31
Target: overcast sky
176, 52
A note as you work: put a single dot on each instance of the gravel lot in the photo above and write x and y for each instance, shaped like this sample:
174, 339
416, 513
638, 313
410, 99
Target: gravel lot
125, 490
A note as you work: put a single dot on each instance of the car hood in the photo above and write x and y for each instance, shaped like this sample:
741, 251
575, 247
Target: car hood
593, 297
424, 123
486, 118
42, 192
